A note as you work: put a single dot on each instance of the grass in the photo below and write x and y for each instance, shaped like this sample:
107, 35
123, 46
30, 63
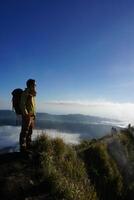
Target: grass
103, 172
65, 172
57, 171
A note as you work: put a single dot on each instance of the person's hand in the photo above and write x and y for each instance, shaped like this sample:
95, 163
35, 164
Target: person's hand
27, 116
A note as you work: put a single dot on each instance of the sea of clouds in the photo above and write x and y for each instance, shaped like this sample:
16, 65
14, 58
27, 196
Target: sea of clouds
9, 136
101, 108
123, 111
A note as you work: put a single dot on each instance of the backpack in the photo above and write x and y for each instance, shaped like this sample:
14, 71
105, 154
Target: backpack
16, 98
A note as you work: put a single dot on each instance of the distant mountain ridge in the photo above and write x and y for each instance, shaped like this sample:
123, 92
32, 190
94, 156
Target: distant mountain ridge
7, 114
87, 126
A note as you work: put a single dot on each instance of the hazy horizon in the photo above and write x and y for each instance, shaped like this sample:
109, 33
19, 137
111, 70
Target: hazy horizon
111, 110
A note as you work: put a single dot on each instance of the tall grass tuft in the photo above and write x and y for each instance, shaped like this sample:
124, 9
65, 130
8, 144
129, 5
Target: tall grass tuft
63, 170
103, 172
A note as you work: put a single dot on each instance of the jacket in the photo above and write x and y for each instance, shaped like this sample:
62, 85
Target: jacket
27, 103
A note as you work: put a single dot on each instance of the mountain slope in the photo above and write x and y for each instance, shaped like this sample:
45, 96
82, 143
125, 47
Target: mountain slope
95, 169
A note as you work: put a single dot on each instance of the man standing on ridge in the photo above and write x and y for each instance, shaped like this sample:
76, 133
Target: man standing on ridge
27, 106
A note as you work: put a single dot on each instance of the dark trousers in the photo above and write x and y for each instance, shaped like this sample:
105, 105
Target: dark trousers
26, 132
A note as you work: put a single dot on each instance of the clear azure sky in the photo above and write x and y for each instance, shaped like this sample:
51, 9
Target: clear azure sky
81, 52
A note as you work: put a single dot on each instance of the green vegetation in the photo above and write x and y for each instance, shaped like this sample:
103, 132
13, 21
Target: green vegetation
63, 170
103, 172
57, 171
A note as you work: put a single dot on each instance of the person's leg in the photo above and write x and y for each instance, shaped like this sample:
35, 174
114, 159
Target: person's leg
29, 135
24, 133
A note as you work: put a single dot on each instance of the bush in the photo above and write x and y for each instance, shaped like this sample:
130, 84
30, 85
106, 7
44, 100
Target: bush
103, 172
64, 171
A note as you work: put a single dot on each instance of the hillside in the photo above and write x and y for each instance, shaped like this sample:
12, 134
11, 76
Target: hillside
93, 170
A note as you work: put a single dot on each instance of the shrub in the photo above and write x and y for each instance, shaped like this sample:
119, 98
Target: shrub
64, 171
103, 172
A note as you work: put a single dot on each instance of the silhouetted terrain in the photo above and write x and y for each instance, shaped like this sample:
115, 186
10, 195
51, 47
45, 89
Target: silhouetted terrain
97, 169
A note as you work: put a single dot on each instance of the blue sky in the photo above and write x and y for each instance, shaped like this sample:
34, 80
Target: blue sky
79, 51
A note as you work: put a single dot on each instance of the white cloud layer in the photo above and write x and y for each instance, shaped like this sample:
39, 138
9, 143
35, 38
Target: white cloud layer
9, 136
102, 108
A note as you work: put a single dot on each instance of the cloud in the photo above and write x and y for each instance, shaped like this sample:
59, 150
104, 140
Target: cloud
100, 107
122, 111
9, 136
53, 133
